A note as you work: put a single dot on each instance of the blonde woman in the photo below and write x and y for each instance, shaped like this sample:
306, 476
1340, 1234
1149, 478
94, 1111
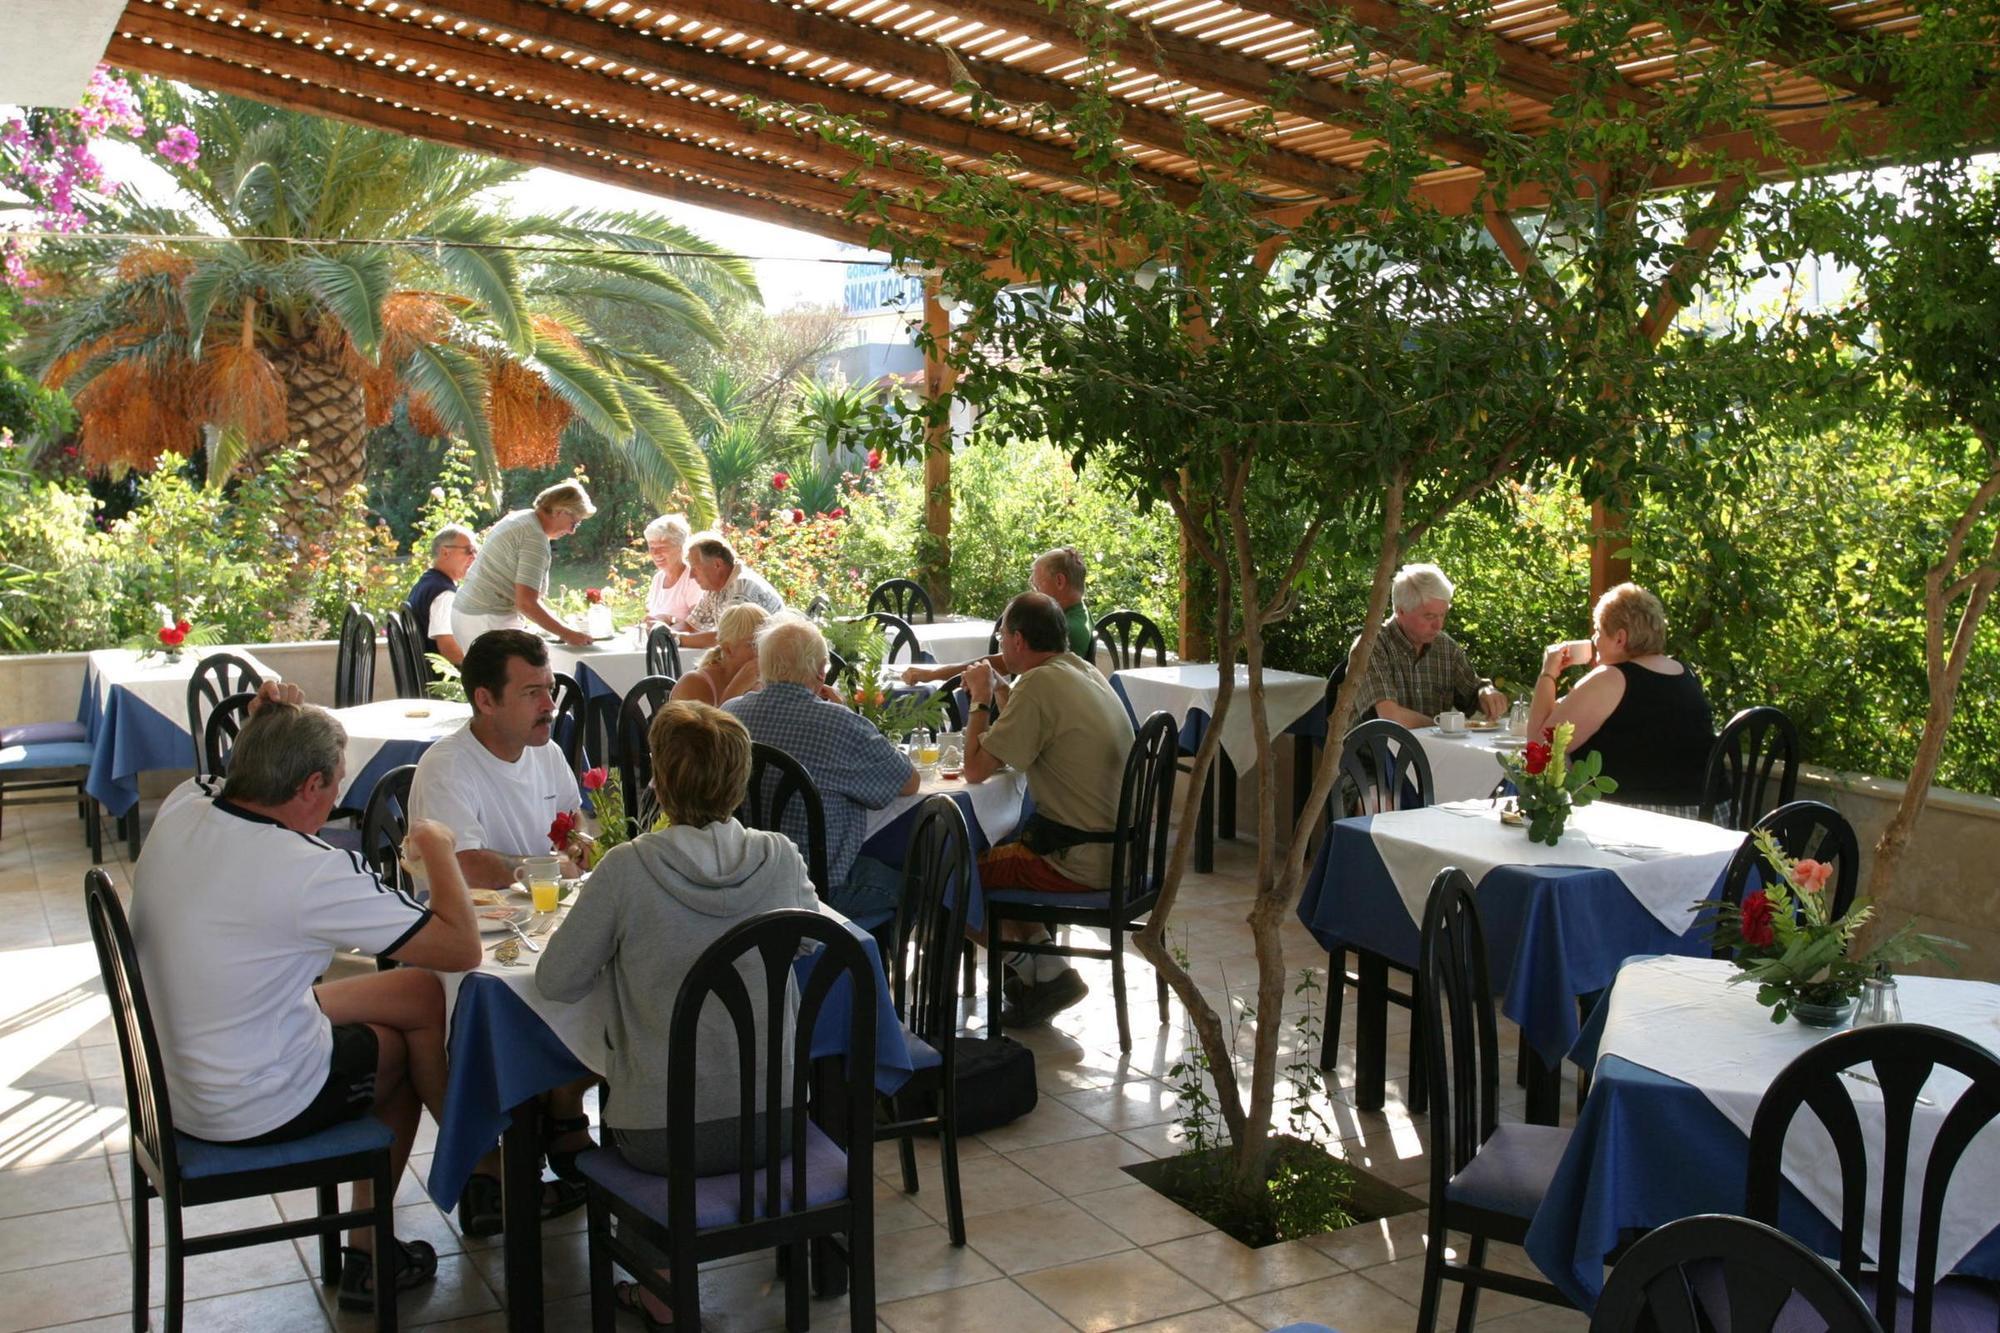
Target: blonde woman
510, 575
730, 668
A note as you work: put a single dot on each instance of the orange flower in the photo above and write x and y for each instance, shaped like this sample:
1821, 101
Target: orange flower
1811, 875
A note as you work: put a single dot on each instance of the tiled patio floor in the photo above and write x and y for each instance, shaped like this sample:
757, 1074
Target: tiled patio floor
1059, 1237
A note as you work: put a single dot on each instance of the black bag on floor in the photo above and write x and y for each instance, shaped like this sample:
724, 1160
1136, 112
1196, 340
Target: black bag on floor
996, 1082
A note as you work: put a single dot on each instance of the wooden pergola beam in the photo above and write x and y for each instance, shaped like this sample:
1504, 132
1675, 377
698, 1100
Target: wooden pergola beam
643, 55
1803, 37
371, 112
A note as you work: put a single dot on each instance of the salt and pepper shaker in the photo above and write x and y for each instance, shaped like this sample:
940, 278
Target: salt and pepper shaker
1878, 1001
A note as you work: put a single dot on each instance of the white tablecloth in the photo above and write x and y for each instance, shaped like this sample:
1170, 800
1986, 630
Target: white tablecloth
1177, 690
159, 684
619, 662
1464, 768
1668, 864
1682, 1018
371, 726
996, 803
955, 640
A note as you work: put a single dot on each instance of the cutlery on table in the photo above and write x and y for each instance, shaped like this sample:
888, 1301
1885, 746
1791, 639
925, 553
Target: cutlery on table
1860, 1077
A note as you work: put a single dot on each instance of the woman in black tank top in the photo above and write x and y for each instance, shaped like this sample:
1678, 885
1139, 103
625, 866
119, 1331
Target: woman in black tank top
1639, 709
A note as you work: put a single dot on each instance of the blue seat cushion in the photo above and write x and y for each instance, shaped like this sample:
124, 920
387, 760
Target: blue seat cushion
1089, 902
1512, 1170
42, 755
41, 733
201, 1158
716, 1197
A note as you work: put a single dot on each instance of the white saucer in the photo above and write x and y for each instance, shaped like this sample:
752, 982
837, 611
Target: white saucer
1458, 735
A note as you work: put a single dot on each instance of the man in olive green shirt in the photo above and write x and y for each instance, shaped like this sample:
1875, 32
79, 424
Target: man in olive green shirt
1058, 575
1061, 726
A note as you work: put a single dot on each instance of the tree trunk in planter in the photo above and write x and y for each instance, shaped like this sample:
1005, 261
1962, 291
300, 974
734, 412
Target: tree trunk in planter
326, 410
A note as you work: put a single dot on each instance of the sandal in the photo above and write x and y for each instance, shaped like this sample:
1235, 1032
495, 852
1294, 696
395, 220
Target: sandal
563, 1162
415, 1262
481, 1205
631, 1298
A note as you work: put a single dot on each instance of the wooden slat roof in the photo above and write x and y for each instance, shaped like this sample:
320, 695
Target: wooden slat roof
650, 95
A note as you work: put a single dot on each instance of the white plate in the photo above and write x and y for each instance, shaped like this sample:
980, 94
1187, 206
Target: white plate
496, 909
1510, 742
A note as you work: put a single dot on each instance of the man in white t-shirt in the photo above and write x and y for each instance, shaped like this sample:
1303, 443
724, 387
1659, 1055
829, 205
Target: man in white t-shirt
498, 785
237, 906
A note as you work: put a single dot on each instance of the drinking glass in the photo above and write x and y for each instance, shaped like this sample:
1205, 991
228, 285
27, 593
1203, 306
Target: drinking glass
1878, 1003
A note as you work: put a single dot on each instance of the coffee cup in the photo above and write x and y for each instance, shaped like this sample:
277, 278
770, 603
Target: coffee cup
1451, 722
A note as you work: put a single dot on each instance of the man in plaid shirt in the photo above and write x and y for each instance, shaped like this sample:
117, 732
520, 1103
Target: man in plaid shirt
1418, 670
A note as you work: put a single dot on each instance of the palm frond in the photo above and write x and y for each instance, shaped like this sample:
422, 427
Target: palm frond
629, 281
665, 377
491, 276
352, 283
594, 395
453, 382
663, 455
628, 229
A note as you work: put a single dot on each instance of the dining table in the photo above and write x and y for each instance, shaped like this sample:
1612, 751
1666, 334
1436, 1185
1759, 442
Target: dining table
1680, 1058
1294, 704
954, 638
993, 810
611, 667
508, 1044
389, 733
1465, 765
1558, 920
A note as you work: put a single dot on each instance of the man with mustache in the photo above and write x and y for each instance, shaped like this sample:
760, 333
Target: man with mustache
498, 785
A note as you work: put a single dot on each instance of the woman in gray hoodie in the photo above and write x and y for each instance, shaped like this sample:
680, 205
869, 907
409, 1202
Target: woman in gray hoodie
650, 909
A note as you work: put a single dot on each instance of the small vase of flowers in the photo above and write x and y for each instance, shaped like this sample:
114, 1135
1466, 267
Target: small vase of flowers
1548, 786
175, 635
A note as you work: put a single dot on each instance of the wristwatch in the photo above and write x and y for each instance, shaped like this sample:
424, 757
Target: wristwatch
991, 710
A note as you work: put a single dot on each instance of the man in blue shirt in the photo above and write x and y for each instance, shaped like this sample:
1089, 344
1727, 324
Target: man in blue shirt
855, 768
430, 600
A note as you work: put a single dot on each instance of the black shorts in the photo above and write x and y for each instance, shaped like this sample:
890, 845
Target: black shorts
347, 1095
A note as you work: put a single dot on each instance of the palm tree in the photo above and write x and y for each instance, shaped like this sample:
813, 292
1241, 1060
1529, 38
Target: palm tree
353, 271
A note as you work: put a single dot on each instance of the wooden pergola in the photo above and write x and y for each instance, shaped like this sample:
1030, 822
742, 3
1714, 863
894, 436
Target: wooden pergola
653, 96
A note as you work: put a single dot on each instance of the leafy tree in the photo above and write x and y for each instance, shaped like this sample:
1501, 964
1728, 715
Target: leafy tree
352, 270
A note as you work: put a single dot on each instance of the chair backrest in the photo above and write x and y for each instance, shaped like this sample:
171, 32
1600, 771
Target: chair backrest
354, 665
902, 639
218, 736
1736, 786
1460, 1043
384, 821
151, 1115
599, 720
1900, 1058
1382, 767
1145, 805
930, 924
1126, 635
903, 598
568, 730
215, 678
760, 952
416, 635
1803, 829
778, 784
818, 607
838, 670
405, 658
663, 653
635, 752
1717, 1271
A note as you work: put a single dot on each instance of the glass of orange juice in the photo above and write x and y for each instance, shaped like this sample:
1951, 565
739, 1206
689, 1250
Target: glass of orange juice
543, 877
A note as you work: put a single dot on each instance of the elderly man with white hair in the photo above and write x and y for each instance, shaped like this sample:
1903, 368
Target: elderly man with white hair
725, 581
1418, 670
674, 590
855, 768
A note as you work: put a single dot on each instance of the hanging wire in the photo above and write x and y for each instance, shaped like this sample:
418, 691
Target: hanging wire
422, 243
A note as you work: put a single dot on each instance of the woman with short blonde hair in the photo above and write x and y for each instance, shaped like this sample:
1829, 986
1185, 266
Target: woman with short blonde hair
509, 579
730, 668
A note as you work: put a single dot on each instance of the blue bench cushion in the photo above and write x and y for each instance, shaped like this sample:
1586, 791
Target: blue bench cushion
199, 1157
716, 1198
1512, 1171
44, 755
41, 733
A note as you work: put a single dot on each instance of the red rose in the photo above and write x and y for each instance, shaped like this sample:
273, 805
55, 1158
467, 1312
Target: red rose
170, 636
779, 480
874, 460
1755, 926
836, 512
798, 516
1536, 757
595, 778
593, 595
561, 829
183, 626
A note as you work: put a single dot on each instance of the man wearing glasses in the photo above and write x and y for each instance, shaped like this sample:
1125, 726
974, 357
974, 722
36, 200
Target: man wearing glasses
430, 600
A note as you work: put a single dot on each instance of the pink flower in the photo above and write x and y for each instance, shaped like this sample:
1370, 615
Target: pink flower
595, 778
874, 460
779, 480
836, 512
1811, 875
180, 145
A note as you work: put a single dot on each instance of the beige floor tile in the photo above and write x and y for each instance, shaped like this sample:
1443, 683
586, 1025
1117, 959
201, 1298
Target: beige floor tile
1370, 1243
294, 1308
1114, 1291
1232, 1270
61, 1293
888, 1164
1129, 1105
1350, 1303
458, 1291
1142, 1214
1042, 1236
63, 1185
1540, 1319
896, 1211
231, 1270
209, 1219
565, 1267
1081, 1166
917, 1263
61, 1235
1405, 1278
986, 1185
1049, 1122
41, 1126
988, 1305
1215, 1319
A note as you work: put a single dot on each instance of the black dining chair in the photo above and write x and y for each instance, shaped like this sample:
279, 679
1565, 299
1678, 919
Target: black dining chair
819, 608
840, 672
929, 934
1487, 1178
1127, 636
663, 653
806, 1194
1802, 829
783, 798
902, 598
1382, 767
1717, 1271
405, 656
1892, 1062
902, 639
567, 734
416, 635
183, 1172
354, 661
215, 678
1138, 867
635, 764
1758, 746
219, 733
384, 821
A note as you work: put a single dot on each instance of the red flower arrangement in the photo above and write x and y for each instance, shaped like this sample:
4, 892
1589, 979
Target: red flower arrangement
1536, 757
174, 635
